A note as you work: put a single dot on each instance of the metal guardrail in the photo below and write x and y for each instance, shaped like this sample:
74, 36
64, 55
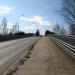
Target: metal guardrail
65, 38
69, 36
67, 47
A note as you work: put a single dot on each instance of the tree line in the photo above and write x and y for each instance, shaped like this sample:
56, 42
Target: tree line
68, 13
13, 33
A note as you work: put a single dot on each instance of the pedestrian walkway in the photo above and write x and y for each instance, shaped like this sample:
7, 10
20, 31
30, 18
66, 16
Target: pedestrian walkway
47, 59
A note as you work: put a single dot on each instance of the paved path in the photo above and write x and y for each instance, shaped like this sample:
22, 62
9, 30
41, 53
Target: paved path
47, 59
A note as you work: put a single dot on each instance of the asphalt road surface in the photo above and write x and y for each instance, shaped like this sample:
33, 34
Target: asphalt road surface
10, 51
47, 59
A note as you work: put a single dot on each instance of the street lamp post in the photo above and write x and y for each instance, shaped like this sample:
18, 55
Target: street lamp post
18, 20
29, 28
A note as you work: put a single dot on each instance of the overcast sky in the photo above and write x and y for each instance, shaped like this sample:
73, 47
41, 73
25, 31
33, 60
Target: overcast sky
38, 14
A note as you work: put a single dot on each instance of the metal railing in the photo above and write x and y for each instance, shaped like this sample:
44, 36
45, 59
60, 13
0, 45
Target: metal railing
67, 47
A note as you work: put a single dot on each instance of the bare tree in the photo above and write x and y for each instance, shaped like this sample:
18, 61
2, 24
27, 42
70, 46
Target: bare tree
68, 12
72, 29
56, 28
62, 30
15, 28
0, 29
4, 25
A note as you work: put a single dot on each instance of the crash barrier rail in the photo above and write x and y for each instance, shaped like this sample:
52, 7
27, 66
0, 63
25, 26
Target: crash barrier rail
67, 47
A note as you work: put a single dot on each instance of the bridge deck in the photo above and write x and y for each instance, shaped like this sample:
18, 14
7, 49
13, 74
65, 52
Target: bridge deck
47, 59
